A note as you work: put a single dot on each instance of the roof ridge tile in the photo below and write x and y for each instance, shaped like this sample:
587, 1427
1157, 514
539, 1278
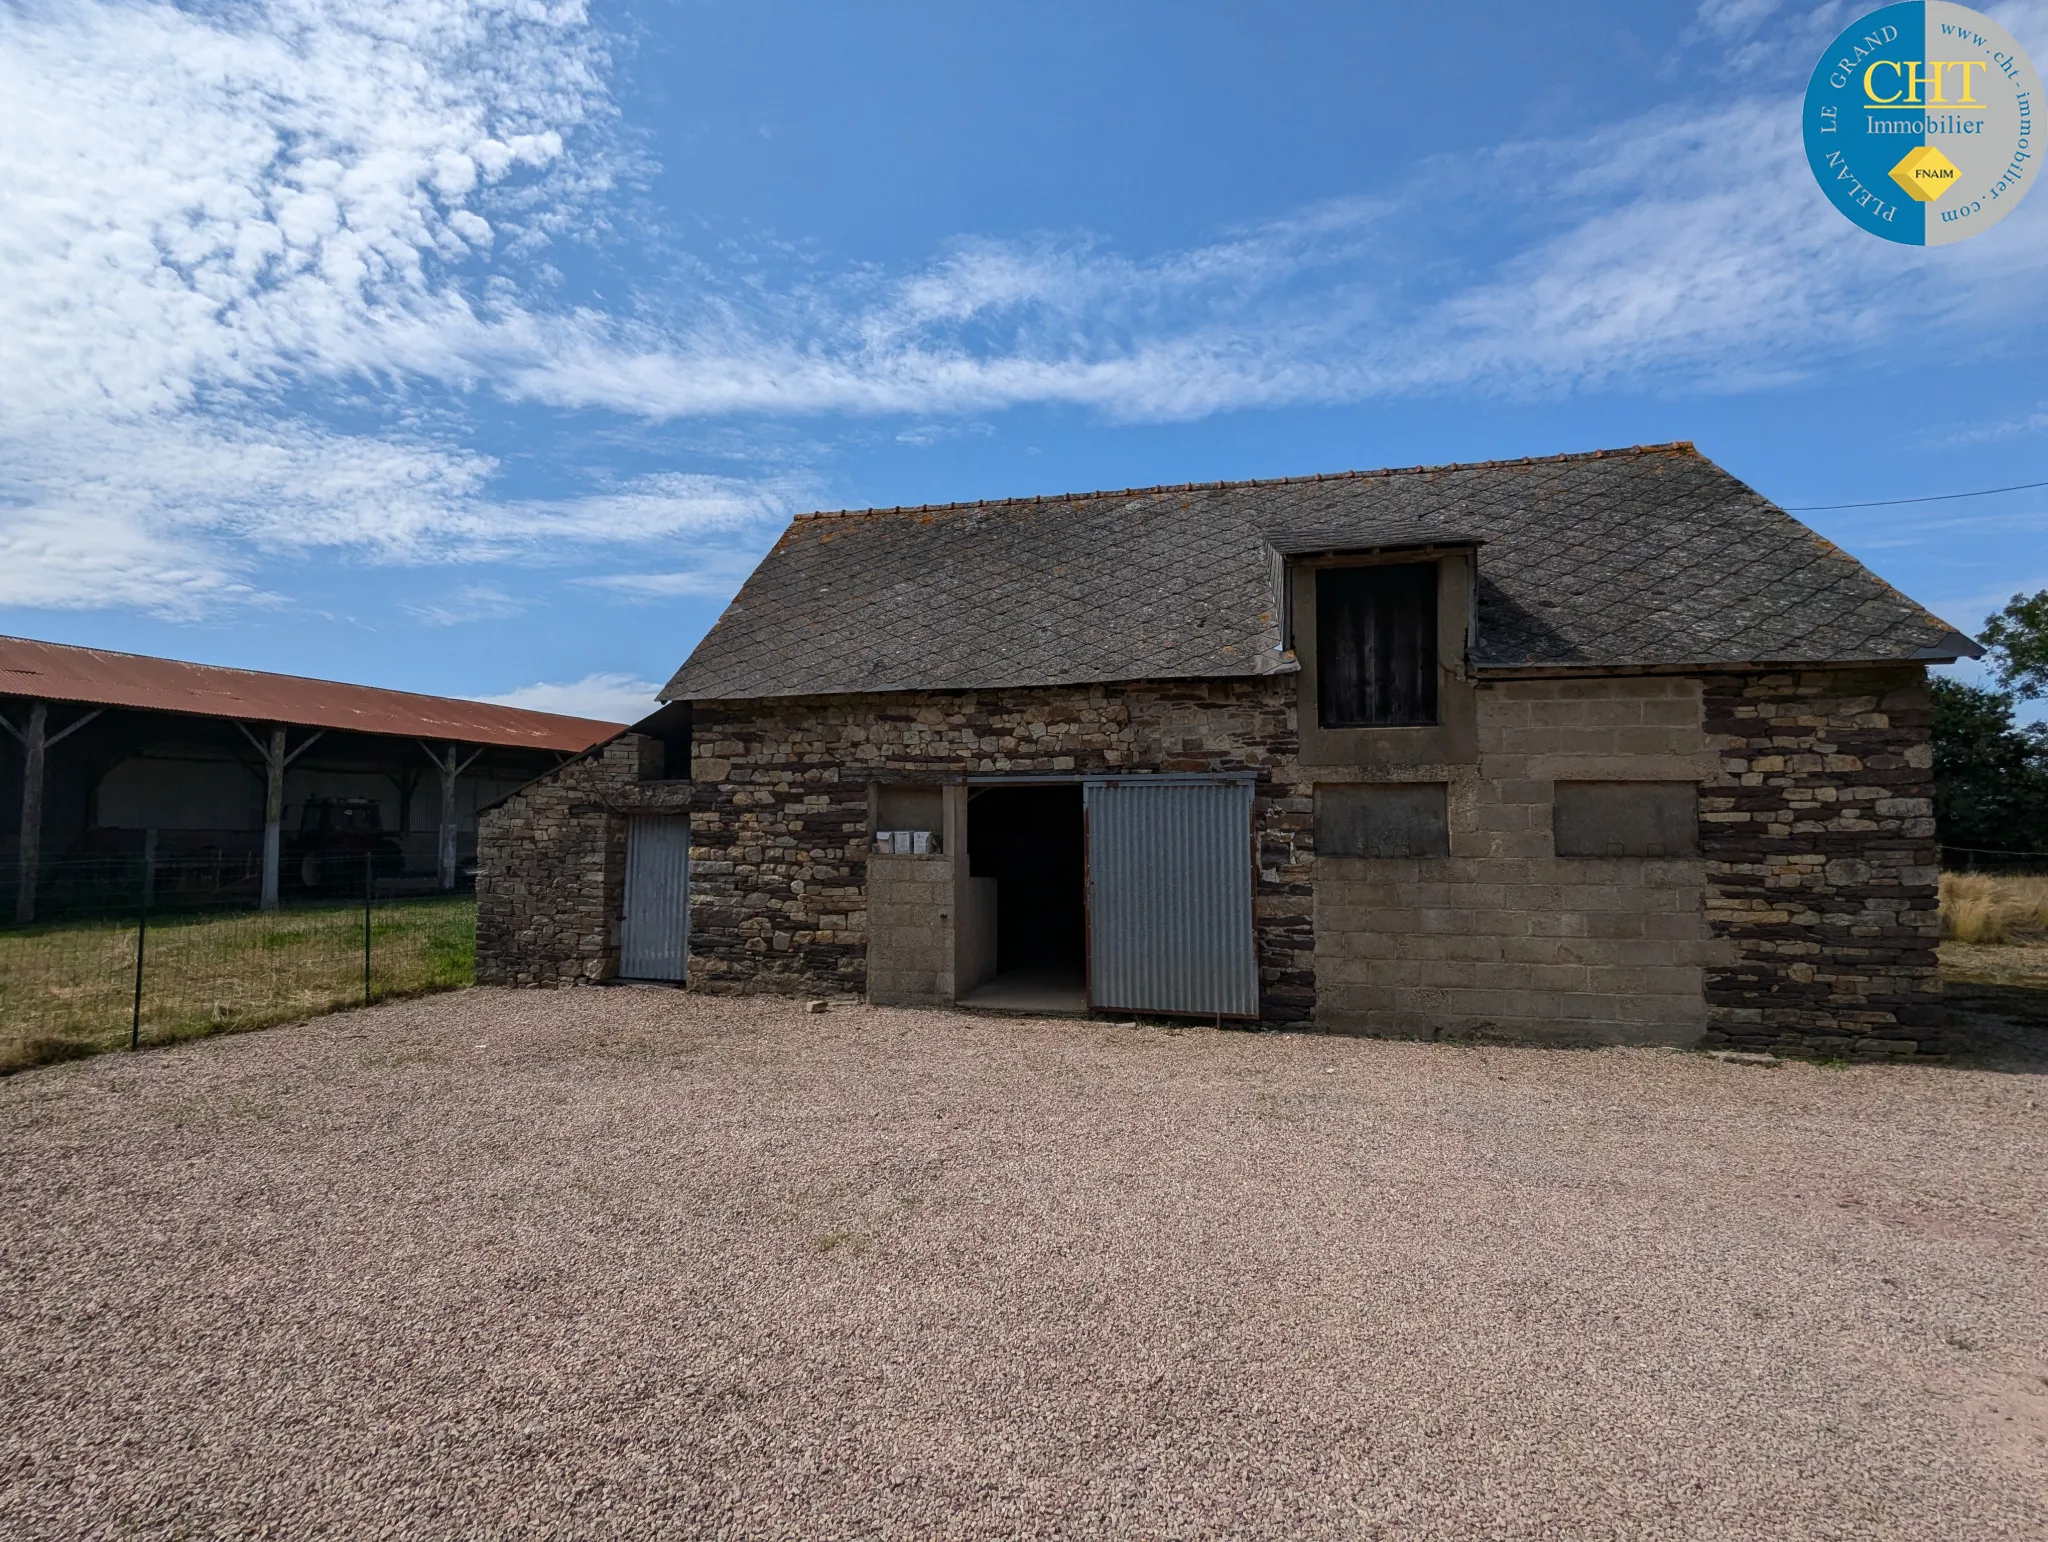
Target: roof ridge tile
1670, 447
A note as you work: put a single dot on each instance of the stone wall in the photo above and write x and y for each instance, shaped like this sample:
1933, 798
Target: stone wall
1822, 865
779, 836
551, 866
1502, 937
1807, 922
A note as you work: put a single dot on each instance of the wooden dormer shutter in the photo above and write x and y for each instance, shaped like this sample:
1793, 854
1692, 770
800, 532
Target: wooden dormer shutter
1376, 660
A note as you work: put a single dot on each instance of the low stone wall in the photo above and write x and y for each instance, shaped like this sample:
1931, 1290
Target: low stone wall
1822, 868
551, 866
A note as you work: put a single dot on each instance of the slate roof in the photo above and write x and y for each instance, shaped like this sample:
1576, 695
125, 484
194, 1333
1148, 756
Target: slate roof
1647, 557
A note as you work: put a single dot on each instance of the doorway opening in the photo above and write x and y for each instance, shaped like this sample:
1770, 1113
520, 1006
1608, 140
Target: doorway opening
1030, 841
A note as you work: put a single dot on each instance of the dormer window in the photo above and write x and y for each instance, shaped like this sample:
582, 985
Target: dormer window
1376, 645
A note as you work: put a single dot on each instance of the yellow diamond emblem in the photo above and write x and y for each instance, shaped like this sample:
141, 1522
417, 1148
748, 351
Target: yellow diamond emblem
1925, 173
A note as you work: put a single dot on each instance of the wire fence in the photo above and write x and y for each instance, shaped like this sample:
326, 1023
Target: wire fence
1971, 859
137, 952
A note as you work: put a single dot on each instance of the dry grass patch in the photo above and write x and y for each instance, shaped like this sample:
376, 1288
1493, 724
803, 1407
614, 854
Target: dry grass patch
2018, 964
1989, 909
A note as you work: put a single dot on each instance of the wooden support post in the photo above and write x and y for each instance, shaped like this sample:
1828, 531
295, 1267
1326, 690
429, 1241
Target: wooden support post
448, 821
405, 784
369, 903
35, 741
34, 750
450, 768
273, 814
142, 932
274, 762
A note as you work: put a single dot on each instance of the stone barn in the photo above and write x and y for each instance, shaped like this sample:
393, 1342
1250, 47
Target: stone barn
1592, 748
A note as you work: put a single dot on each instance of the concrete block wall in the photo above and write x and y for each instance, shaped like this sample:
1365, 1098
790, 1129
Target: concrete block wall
910, 930
1823, 876
551, 867
1503, 937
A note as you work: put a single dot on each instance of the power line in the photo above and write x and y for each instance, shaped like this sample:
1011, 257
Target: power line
1886, 503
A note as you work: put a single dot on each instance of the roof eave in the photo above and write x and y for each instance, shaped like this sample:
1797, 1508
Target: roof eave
1558, 668
1950, 648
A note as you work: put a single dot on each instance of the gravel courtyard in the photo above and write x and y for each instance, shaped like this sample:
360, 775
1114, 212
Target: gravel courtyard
634, 1264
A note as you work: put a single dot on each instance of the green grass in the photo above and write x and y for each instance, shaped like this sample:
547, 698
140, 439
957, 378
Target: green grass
68, 988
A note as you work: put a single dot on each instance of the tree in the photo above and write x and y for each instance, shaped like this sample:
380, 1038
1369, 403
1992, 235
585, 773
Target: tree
1990, 776
2016, 645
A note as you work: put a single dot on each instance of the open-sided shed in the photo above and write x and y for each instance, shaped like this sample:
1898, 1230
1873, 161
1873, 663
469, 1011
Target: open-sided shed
235, 770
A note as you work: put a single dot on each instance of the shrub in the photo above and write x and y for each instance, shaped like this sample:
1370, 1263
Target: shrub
1989, 908
1990, 773
42, 1049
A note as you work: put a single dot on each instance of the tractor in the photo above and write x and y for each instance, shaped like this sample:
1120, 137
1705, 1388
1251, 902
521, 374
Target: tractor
334, 835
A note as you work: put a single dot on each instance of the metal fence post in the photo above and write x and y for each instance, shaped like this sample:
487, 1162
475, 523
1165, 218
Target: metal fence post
142, 935
369, 889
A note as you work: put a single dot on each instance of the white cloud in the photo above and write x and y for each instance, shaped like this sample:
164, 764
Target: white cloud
660, 507
614, 698
220, 217
166, 516
1758, 41
1735, 18
470, 602
2025, 424
218, 199
158, 514
923, 436
2026, 20
209, 209
711, 574
1678, 250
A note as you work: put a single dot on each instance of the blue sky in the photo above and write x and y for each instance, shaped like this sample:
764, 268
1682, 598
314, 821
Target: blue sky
479, 348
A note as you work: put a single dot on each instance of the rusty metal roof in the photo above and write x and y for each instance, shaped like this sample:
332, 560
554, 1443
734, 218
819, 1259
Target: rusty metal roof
56, 672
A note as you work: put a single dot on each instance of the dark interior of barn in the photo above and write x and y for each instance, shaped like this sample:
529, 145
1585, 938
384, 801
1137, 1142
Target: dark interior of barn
1029, 839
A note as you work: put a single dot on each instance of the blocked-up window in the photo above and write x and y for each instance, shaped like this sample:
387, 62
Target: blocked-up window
908, 818
1383, 819
1626, 819
1376, 645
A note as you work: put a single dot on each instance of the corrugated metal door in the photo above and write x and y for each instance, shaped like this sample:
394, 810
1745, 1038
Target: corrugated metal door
1170, 896
654, 941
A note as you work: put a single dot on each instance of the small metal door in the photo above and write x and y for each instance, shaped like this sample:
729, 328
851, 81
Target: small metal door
654, 940
1170, 896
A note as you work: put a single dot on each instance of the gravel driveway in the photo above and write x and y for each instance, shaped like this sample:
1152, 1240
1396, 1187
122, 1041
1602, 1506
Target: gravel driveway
632, 1264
